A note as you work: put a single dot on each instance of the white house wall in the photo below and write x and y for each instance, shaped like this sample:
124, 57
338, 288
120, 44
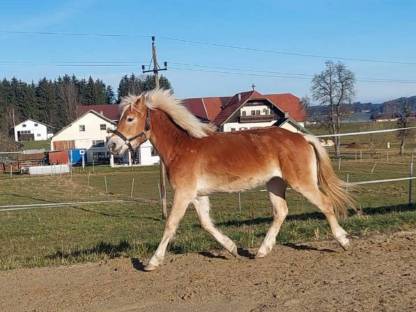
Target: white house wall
84, 139
246, 125
39, 131
146, 158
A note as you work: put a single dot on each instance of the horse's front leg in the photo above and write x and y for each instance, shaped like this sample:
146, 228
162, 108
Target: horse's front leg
180, 204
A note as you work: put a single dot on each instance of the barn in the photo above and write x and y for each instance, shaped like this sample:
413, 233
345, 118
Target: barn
32, 130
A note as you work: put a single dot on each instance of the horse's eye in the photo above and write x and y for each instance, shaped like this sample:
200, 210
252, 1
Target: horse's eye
130, 119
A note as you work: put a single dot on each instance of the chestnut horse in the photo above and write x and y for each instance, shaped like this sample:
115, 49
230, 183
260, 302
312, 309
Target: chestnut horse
200, 161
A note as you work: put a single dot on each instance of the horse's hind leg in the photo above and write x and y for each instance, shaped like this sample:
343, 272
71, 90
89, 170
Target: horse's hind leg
201, 204
277, 189
319, 199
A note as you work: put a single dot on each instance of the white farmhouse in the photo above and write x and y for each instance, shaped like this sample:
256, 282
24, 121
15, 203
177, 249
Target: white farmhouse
249, 110
31, 130
89, 132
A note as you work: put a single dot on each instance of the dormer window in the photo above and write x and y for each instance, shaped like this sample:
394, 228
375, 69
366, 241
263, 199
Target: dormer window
81, 128
36, 124
24, 125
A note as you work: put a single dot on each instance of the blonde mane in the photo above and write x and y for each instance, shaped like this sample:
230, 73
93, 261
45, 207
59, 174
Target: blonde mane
165, 101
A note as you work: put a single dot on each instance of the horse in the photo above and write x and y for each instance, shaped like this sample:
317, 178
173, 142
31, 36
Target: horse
200, 161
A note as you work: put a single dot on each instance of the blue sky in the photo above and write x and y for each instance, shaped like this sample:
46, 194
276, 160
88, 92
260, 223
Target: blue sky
373, 30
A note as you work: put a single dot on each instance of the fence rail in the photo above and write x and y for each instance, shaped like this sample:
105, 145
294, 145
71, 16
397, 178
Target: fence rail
6, 208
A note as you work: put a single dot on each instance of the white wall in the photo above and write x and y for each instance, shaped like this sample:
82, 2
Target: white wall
248, 109
248, 125
84, 139
40, 131
146, 158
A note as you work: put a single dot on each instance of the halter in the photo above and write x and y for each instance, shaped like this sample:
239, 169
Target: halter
127, 141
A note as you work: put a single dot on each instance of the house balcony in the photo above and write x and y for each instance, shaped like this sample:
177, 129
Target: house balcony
257, 118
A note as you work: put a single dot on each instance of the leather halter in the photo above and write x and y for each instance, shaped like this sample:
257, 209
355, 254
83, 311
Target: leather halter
127, 141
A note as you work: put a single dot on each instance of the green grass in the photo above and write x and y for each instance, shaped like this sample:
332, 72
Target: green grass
27, 145
55, 236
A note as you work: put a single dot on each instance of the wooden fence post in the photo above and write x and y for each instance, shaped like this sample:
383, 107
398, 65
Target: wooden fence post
239, 201
132, 188
105, 182
411, 183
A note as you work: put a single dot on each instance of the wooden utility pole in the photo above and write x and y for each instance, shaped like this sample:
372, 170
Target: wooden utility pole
156, 68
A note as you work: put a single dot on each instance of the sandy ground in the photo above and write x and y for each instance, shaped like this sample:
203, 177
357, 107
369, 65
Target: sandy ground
377, 274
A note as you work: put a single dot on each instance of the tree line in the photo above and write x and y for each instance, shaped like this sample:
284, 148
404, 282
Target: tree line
54, 102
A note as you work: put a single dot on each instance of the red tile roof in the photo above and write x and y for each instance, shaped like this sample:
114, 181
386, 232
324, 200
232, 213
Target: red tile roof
219, 109
205, 108
216, 109
110, 111
288, 103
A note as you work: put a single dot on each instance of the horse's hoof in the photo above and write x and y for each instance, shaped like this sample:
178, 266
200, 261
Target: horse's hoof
234, 252
260, 254
150, 267
345, 243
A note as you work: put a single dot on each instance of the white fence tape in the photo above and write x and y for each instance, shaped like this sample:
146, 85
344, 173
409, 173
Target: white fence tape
363, 132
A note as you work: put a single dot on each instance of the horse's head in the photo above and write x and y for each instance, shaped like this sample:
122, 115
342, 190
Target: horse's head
133, 127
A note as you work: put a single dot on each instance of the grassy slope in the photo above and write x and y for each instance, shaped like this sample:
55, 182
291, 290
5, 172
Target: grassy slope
51, 236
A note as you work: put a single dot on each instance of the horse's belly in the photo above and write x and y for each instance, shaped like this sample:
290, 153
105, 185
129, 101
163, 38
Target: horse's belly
233, 183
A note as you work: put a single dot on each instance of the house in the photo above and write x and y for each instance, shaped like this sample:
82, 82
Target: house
248, 110
31, 130
89, 132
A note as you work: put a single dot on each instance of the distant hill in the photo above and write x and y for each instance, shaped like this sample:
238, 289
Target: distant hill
361, 112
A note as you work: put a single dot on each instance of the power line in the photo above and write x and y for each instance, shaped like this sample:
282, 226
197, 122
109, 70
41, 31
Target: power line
70, 34
241, 73
236, 47
213, 44
204, 69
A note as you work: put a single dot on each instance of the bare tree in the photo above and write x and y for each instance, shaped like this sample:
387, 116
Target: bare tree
403, 122
334, 87
68, 97
305, 102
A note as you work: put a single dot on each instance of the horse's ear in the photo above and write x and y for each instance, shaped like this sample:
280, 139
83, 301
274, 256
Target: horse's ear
138, 101
146, 98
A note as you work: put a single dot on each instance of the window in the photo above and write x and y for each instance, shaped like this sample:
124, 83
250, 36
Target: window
232, 129
82, 128
103, 127
36, 124
24, 125
38, 135
265, 111
243, 113
98, 143
100, 156
253, 113
154, 152
258, 112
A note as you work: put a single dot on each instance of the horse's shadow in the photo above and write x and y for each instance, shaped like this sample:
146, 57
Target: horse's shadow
137, 264
307, 247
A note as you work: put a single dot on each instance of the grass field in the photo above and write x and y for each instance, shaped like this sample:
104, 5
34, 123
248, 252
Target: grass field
62, 235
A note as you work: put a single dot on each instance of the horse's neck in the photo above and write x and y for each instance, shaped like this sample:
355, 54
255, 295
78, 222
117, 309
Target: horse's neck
165, 136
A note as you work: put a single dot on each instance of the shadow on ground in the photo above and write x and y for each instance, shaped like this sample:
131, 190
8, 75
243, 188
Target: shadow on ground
319, 216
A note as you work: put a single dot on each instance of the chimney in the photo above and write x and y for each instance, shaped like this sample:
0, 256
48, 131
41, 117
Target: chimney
239, 97
287, 115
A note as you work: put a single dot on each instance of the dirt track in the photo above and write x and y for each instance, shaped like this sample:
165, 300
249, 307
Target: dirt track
378, 274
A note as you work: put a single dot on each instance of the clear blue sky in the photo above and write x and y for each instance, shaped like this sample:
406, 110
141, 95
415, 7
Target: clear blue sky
375, 30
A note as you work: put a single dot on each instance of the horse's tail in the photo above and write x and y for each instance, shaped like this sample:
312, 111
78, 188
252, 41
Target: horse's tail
328, 182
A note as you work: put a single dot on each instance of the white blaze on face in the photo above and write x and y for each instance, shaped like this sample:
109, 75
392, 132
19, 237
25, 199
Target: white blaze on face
116, 145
